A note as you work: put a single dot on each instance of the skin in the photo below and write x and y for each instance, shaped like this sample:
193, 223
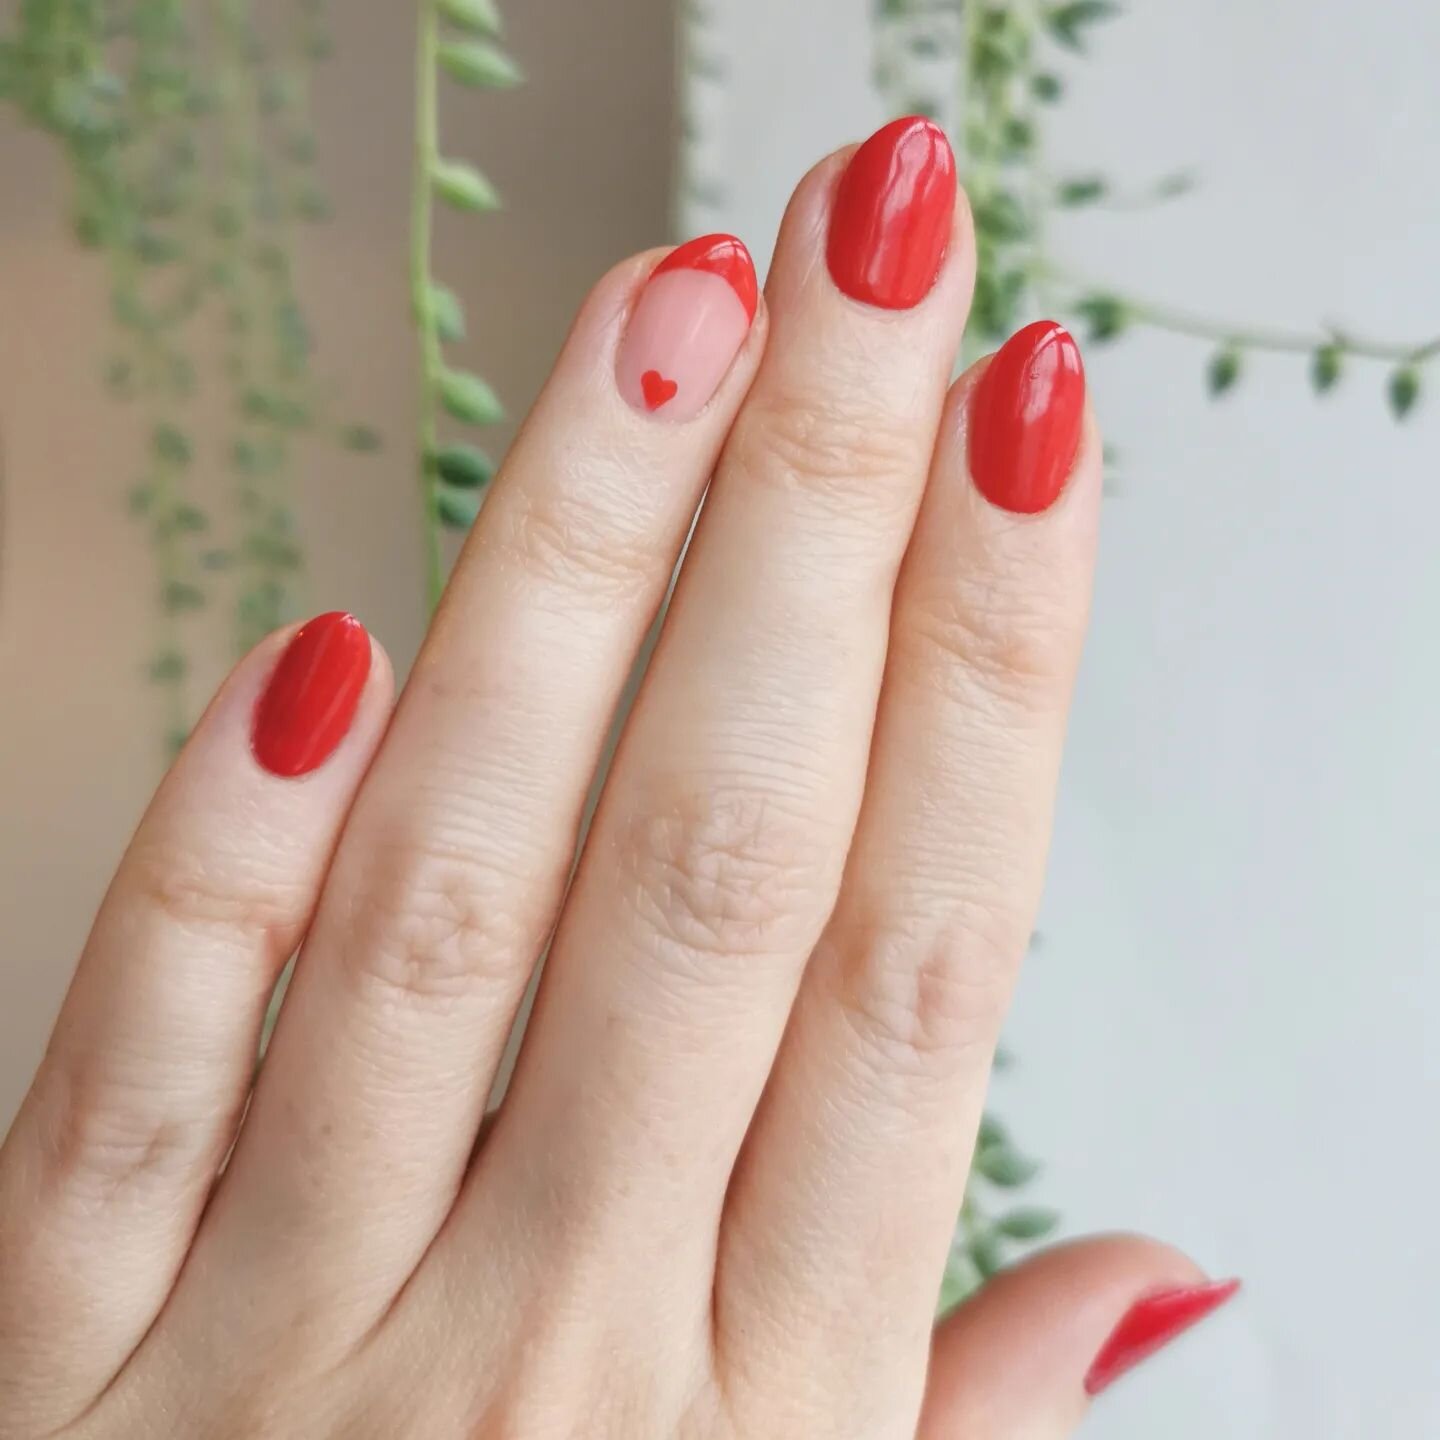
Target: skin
717, 1197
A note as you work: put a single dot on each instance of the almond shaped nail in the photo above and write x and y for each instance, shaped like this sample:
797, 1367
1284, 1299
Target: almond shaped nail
688, 325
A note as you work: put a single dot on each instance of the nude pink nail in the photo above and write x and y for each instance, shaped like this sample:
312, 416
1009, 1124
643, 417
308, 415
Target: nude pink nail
690, 321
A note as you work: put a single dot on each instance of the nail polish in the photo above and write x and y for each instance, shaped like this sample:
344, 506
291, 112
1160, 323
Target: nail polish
310, 699
1025, 419
893, 213
689, 323
1151, 1323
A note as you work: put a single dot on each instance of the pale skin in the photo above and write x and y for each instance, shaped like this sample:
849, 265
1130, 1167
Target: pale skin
717, 1197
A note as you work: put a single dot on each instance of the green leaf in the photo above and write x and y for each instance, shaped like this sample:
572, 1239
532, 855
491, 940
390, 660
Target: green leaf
1002, 217
473, 62
1005, 1166
457, 508
216, 560
961, 1281
1028, 1223
171, 445
168, 666
1107, 315
987, 1254
178, 596
1224, 370
140, 499
1067, 23
1404, 390
1082, 190
480, 17
467, 397
463, 186
1046, 87
448, 312
992, 1132
464, 466
364, 439
190, 519
1325, 367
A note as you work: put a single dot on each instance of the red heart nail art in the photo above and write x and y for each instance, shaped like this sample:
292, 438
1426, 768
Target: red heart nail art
657, 389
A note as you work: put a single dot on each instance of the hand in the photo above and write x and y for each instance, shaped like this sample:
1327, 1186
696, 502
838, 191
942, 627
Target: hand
717, 1197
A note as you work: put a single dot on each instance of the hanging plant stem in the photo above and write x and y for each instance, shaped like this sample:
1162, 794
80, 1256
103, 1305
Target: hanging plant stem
453, 476
432, 364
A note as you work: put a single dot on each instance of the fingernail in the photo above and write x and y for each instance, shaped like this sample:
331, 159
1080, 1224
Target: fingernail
310, 699
1151, 1323
1025, 419
893, 213
688, 325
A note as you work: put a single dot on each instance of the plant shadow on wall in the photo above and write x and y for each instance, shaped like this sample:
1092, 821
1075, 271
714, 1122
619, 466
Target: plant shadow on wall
186, 129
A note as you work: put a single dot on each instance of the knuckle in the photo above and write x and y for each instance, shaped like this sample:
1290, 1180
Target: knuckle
183, 890
807, 442
1020, 644
725, 871
917, 1003
568, 540
102, 1139
433, 926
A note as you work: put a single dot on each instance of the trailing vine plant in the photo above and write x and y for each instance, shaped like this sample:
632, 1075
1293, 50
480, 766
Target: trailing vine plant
190, 149
457, 39
1008, 64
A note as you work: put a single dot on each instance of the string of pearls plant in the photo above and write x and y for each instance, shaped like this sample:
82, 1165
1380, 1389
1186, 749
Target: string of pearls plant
459, 39
189, 143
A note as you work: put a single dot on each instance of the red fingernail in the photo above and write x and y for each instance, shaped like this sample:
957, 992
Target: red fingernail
310, 700
893, 213
1025, 419
1151, 1323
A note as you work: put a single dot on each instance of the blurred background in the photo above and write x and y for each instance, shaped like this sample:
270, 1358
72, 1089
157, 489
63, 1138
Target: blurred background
1222, 1033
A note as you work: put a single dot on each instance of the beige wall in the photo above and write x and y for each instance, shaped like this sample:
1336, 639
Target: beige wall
582, 156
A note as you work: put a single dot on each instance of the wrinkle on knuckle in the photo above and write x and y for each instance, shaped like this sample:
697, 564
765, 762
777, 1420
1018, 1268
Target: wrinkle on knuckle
101, 1138
1023, 649
184, 891
920, 1003
815, 444
568, 540
724, 871
437, 926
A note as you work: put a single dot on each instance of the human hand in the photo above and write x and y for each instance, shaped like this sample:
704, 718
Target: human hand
717, 1197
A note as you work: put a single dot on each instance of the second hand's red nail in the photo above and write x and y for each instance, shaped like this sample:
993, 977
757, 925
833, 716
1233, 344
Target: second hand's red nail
1151, 1323
310, 700
893, 213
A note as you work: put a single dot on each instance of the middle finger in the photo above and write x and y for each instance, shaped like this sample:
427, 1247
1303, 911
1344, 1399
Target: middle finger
718, 846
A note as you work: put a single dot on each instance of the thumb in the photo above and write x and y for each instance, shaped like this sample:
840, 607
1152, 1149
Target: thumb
1021, 1359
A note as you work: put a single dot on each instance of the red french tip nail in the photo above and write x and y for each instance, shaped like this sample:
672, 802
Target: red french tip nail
1025, 419
306, 707
722, 255
893, 213
1151, 1323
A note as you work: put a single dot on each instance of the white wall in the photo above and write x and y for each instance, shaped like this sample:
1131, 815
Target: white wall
1224, 1034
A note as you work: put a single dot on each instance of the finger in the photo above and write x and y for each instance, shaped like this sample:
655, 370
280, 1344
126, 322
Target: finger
1022, 1359
854, 1170
446, 885
106, 1170
716, 852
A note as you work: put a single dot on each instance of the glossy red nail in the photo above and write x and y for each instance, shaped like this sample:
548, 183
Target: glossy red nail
893, 212
1151, 1323
309, 702
1025, 419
